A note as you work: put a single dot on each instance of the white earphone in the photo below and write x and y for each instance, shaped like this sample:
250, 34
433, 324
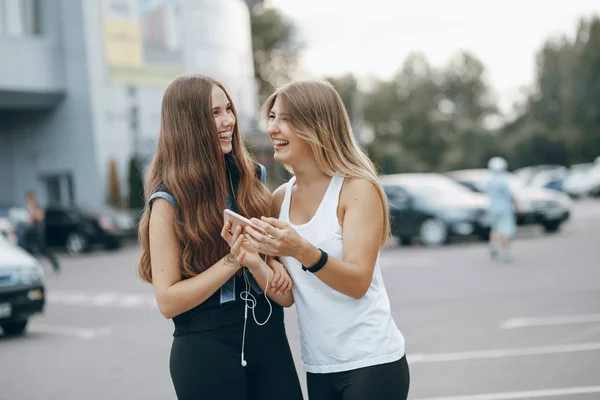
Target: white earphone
250, 299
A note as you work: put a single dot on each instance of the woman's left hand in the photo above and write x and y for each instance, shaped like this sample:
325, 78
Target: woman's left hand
282, 240
240, 247
282, 281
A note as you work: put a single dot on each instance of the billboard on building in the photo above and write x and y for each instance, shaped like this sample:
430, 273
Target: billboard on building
142, 41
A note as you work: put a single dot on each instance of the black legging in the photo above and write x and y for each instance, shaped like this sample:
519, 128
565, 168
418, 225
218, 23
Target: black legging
35, 243
380, 382
206, 365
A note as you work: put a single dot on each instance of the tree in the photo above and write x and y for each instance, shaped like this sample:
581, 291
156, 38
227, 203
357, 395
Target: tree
275, 48
136, 184
114, 185
562, 114
432, 119
466, 89
347, 88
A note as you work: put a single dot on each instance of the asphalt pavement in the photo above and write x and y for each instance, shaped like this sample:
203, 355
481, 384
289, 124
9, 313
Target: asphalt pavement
475, 329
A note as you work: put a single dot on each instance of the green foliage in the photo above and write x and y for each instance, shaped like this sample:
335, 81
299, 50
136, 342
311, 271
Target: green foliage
438, 119
275, 48
428, 118
114, 198
136, 185
560, 121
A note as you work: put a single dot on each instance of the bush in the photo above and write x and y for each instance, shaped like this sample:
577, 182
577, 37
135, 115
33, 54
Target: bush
136, 184
114, 185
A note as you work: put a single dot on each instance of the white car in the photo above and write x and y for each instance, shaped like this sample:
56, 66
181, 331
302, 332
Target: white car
22, 289
580, 181
7, 230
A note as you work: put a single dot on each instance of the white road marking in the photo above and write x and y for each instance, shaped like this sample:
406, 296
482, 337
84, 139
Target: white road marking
81, 333
515, 323
502, 353
102, 299
532, 394
135, 300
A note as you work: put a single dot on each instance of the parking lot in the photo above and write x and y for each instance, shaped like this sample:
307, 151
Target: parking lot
475, 329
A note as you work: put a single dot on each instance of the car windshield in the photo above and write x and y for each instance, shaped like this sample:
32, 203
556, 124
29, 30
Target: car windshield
479, 181
430, 189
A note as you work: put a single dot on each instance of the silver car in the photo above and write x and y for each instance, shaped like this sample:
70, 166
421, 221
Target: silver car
22, 289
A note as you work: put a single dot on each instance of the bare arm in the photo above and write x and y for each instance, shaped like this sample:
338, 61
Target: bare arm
173, 295
285, 298
362, 225
276, 201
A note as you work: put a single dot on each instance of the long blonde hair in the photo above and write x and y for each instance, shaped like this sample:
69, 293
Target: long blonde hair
317, 115
190, 165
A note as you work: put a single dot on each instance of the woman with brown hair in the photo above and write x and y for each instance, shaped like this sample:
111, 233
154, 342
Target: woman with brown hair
332, 222
200, 168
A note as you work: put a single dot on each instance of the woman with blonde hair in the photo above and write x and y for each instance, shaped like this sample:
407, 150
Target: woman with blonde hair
333, 220
200, 168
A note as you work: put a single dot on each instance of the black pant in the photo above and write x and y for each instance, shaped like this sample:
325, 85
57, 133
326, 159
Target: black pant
206, 365
36, 244
379, 382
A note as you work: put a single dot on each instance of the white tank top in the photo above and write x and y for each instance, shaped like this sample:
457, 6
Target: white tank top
337, 332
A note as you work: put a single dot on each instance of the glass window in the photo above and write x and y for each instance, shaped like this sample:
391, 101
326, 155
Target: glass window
20, 17
2, 18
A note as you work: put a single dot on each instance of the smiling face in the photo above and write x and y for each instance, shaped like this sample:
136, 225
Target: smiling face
224, 116
289, 147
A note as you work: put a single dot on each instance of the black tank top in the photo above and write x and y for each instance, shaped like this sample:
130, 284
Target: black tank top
216, 313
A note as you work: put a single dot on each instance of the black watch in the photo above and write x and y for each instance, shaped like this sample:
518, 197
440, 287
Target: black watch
320, 264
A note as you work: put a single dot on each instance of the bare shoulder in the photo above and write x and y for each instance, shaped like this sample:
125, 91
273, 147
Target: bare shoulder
162, 212
359, 190
277, 198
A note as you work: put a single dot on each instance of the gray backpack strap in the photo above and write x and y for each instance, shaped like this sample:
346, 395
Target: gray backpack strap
263, 174
162, 195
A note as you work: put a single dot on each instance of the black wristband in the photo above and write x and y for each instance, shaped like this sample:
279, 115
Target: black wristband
320, 264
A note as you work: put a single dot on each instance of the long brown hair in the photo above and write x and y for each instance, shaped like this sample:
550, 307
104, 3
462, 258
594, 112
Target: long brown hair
317, 115
190, 165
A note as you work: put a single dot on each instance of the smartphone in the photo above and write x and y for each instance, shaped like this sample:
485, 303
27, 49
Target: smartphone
237, 220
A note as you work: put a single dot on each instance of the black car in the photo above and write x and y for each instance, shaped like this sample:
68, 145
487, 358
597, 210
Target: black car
22, 291
536, 206
433, 208
77, 230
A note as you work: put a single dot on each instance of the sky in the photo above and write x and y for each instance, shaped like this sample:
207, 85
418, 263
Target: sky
373, 37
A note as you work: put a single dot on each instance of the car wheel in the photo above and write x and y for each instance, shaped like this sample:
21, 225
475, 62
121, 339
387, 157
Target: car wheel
76, 243
433, 232
551, 226
14, 328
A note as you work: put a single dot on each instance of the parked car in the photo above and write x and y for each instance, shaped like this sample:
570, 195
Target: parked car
13, 223
7, 229
595, 180
538, 206
22, 290
552, 179
77, 229
433, 208
579, 181
527, 173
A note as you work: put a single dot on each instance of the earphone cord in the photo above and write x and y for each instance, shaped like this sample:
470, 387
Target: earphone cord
251, 302
246, 295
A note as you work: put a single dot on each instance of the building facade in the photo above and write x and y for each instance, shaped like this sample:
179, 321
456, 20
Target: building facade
81, 84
